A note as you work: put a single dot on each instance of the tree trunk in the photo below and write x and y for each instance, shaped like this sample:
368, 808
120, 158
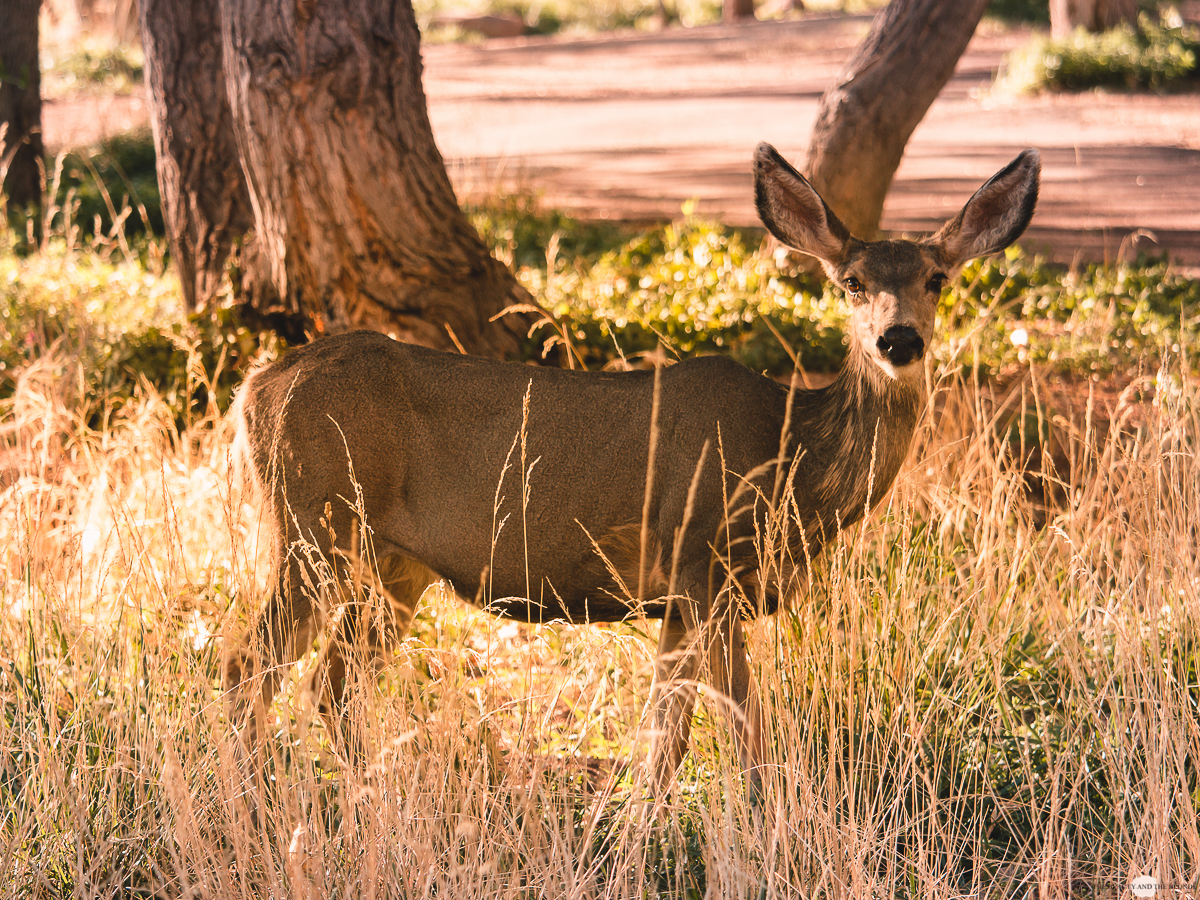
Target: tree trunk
737, 10
206, 203
21, 105
866, 118
352, 203
1094, 15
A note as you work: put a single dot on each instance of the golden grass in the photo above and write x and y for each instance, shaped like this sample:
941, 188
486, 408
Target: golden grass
977, 696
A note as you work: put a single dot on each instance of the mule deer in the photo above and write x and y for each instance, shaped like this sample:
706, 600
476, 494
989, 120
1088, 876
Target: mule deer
653, 492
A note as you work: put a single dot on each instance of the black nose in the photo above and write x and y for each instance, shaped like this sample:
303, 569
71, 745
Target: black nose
901, 345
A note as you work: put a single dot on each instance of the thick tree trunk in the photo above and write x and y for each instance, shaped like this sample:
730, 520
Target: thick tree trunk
352, 203
205, 199
867, 117
21, 104
737, 10
1094, 15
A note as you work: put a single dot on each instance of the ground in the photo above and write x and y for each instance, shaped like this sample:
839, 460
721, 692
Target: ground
632, 125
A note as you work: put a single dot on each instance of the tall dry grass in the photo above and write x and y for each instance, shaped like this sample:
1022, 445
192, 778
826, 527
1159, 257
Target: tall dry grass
990, 689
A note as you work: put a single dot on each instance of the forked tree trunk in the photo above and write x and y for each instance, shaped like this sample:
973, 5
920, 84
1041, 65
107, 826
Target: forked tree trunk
866, 118
352, 203
21, 104
1094, 15
206, 203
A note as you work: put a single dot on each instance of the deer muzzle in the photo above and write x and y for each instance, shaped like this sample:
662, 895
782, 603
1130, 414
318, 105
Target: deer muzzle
901, 345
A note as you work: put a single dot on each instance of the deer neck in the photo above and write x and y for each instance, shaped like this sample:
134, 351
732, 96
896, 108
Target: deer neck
853, 437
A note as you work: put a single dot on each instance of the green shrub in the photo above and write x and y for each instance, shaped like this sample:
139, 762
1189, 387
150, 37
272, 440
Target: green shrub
1156, 54
522, 233
1099, 319
116, 180
92, 66
694, 286
700, 287
124, 325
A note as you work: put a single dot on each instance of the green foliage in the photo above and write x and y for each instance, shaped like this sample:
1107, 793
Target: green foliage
92, 66
117, 182
524, 234
1100, 319
1157, 54
701, 287
125, 328
694, 286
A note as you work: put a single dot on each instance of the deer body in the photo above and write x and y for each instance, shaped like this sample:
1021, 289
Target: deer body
526, 488
399, 457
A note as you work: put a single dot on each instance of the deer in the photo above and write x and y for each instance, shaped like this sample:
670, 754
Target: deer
697, 493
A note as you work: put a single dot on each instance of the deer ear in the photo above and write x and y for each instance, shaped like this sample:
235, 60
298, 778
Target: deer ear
997, 214
793, 211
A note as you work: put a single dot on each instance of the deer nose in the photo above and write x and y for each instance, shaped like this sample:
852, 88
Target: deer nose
901, 345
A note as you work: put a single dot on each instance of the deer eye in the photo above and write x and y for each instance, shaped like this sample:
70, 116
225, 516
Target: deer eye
853, 286
936, 283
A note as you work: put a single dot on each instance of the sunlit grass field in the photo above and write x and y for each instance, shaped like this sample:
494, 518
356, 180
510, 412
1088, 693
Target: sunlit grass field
989, 688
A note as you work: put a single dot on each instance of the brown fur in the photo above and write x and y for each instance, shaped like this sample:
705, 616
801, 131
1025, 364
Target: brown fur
619, 557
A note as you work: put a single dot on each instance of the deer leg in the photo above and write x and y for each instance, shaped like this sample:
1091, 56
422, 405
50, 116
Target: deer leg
729, 668
286, 628
364, 634
673, 696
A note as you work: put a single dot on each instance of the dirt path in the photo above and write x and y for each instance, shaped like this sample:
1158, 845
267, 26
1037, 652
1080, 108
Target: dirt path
86, 119
633, 125
630, 126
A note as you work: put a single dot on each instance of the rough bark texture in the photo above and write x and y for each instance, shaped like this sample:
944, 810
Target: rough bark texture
352, 203
737, 10
1094, 15
205, 199
867, 117
21, 103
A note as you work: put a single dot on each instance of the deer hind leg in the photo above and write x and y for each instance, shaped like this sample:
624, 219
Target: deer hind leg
365, 631
283, 631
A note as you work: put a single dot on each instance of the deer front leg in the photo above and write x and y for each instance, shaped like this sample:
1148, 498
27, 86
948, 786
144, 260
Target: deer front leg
729, 668
722, 643
672, 698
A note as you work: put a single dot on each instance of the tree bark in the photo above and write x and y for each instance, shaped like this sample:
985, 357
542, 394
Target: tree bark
1094, 15
352, 203
866, 118
737, 10
206, 203
21, 105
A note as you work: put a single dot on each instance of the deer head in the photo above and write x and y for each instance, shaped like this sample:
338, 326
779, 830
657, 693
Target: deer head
894, 285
